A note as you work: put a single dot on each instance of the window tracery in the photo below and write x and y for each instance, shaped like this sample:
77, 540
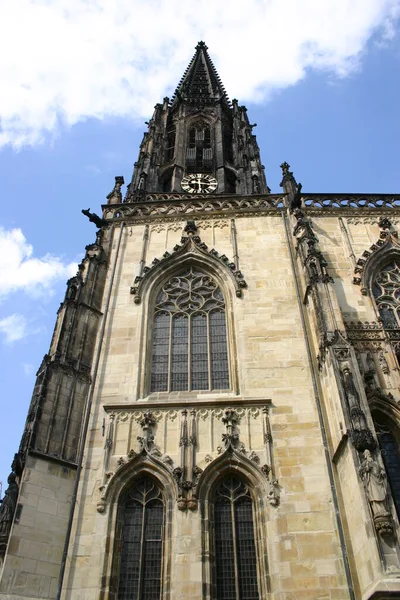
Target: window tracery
234, 544
142, 516
189, 338
386, 290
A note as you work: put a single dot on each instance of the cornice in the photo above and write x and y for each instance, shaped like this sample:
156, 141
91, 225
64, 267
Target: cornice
172, 206
157, 403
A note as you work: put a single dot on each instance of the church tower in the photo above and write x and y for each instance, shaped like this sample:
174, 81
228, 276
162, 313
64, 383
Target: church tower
199, 142
217, 417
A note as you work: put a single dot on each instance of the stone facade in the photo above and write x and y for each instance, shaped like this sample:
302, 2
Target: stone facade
313, 384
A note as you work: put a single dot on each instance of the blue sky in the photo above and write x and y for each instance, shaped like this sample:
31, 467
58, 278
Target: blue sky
319, 77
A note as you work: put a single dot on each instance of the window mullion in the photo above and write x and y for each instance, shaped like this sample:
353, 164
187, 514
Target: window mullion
189, 352
209, 352
141, 565
171, 318
235, 554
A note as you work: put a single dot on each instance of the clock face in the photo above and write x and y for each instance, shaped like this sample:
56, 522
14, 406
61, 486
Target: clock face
199, 183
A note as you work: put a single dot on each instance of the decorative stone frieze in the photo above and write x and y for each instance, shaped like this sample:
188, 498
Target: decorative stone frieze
190, 244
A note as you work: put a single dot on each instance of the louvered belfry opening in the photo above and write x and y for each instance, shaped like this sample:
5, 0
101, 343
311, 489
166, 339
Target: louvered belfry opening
199, 153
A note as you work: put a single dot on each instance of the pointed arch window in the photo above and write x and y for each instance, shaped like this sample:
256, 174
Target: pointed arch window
388, 438
142, 525
386, 291
235, 570
189, 338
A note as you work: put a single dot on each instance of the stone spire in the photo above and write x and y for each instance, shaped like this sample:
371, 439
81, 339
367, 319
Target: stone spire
200, 83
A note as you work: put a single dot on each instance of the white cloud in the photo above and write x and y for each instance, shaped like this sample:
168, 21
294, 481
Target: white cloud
14, 327
74, 59
28, 369
20, 270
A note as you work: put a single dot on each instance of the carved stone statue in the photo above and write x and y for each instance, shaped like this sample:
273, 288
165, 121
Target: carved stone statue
352, 394
361, 434
374, 479
8, 506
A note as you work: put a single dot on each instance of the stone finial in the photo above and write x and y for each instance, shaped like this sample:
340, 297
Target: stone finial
291, 188
201, 46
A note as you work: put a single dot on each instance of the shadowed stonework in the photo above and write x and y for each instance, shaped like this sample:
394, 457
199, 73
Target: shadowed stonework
217, 417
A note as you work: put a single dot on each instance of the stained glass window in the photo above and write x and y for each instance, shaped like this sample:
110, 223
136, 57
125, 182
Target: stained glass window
189, 340
235, 551
391, 457
142, 543
386, 290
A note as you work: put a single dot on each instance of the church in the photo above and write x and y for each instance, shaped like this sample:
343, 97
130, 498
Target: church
217, 417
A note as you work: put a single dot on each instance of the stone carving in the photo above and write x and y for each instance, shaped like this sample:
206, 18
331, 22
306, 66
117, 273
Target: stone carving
168, 461
266, 469
158, 227
115, 196
303, 228
254, 412
203, 413
123, 416
296, 201
383, 363
190, 242
361, 435
7, 510
147, 440
387, 242
365, 336
274, 492
386, 225
375, 483
372, 220
93, 218
231, 437
171, 415
253, 456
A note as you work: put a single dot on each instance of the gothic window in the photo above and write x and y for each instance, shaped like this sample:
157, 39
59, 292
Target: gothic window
235, 571
189, 338
386, 290
199, 155
389, 446
142, 516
